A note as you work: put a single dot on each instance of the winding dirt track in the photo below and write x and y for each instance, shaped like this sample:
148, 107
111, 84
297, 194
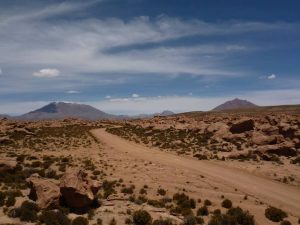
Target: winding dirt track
271, 192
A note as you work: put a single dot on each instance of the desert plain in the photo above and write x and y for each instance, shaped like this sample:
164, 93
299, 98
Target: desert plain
233, 167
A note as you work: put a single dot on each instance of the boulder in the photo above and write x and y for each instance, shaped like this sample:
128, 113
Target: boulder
268, 129
5, 140
44, 191
287, 131
77, 190
261, 139
7, 164
282, 149
242, 126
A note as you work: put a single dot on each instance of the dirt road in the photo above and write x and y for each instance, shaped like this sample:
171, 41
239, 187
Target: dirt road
271, 192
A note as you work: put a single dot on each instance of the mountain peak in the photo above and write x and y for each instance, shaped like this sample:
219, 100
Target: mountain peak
60, 110
235, 104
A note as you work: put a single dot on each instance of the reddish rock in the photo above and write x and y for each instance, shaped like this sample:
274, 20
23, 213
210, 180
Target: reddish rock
242, 126
44, 191
282, 149
261, 139
7, 164
77, 190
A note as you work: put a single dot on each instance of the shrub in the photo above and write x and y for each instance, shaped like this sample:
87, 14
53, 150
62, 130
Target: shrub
275, 214
99, 221
233, 216
27, 212
226, 203
217, 212
54, 217
207, 202
80, 221
127, 190
285, 222
161, 191
128, 221
113, 222
143, 191
11, 200
203, 211
189, 220
2, 198
199, 220
184, 204
162, 222
142, 217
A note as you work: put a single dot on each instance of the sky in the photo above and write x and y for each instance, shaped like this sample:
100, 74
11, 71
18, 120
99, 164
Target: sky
146, 56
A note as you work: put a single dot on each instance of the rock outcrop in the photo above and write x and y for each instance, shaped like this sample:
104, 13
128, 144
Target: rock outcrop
44, 191
7, 164
77, 190
242, 126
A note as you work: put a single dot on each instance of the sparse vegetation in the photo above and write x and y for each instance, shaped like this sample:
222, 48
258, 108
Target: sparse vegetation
141, 217
226, 203
275, 214
80, 221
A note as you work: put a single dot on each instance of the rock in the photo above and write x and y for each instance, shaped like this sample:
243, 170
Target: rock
7, 164
219, 129
77, 190
261, 139
268, 129
242, 126
287, 131
282, 149
118, 197
5, 140
44, 191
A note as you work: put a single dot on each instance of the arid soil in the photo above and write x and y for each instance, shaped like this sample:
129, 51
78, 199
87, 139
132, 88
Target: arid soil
179, 170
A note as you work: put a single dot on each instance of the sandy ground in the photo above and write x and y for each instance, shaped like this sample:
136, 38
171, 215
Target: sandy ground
202, 179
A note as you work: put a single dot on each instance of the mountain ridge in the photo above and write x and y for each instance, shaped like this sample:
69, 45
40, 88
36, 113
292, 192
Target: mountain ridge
235, 104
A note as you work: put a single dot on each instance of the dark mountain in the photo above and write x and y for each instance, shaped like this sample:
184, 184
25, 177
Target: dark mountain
4, 116
60, 110
235, 104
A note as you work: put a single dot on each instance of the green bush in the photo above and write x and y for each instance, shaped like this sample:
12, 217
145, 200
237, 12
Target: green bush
285, 222
142, 217
54, 218
203, 211
226, 203
80, 221
233, 216
184, 204
275, 214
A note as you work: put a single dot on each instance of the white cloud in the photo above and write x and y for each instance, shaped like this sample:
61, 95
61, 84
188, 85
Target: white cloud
135, 95
107, 96
72, 92
83, 46
47, 73
271, 77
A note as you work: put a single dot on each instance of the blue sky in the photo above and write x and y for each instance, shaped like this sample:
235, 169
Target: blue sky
145, 56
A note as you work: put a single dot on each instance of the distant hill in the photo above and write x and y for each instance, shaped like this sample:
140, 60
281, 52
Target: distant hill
235, 104
4, 116
61, 110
